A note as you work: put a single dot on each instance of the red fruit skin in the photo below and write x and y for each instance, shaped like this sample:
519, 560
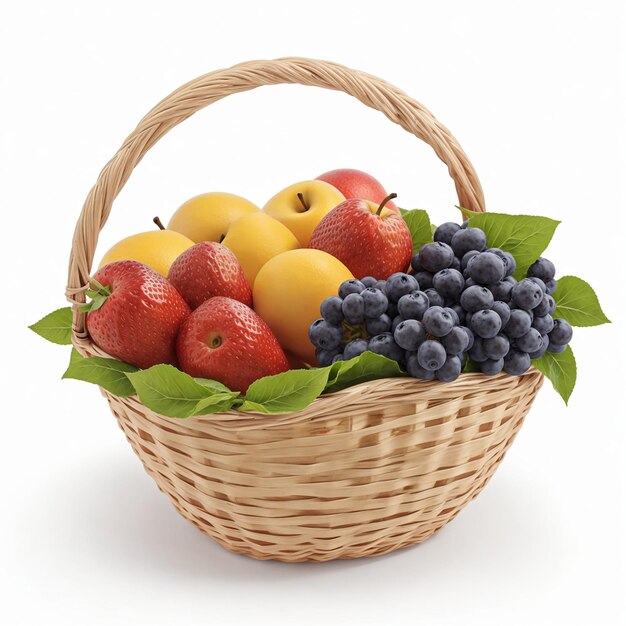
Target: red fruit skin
366, 243
206, 270
138, 323
248, 349
357, 184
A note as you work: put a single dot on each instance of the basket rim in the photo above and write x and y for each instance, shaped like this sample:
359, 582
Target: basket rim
341, 397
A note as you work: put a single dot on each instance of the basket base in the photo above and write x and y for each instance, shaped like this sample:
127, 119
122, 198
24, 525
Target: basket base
204, 466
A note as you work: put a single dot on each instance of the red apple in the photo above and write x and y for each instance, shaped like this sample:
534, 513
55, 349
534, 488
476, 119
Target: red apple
227, 341
369, 239
357, 184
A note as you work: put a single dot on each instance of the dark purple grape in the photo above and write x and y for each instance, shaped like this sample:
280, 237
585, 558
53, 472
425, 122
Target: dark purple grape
457, 340
476, 298
468, 239
561, 333
354, 348
556, 347
435, 256
350, 286
509, 260
544, 346
445, 232
518, 324
516, 362
434, 297
486, 268
545, 307
415, 263
325, 357
530, 342
527, 294
551, 286
477, 351
502, 291
353, 308
385, 345
416, 370
470, 337
449, 283
424, 279
542, 268
539, 282
496, 347
450, 370
379, 325
331, 310
400, 284
369, 281
409, 334
431, 355
491, 367
437, 321
544, 324
374, 302
413, 305
486, 324
503, 310
325, 336
467, 257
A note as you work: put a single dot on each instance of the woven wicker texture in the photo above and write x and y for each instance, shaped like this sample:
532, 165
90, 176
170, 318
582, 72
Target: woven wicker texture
364, 471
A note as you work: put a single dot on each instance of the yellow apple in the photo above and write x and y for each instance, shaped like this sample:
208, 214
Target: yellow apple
300, 207
208, 217
255, 239
156, 248
288, 292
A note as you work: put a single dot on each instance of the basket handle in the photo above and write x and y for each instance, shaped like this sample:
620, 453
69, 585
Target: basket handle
197, 94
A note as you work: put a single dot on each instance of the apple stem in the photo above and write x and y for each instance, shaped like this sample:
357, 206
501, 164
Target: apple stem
222, 237
391, 196
302, 201
158, 222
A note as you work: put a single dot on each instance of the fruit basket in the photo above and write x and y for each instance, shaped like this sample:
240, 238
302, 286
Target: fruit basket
363, 471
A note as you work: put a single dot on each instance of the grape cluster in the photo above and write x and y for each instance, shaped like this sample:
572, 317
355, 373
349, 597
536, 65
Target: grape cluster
462, 301
393, 318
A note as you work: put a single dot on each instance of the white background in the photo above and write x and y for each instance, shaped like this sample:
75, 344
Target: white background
533, 91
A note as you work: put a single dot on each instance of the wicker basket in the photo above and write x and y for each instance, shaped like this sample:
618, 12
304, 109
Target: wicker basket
364, 471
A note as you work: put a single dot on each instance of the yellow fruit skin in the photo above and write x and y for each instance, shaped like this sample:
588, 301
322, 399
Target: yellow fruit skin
255, 239
208, 217
288, 292
286, 207
156, 249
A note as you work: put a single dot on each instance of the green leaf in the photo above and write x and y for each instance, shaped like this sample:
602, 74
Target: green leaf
419, 224
168, 391
217, 403
290, 391
560, 369
56, 326
110, 374
524, 236
214, 385
577, 302
366, 366
467, 213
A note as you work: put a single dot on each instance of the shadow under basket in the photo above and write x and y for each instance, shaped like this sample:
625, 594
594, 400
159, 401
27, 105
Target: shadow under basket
360, 472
